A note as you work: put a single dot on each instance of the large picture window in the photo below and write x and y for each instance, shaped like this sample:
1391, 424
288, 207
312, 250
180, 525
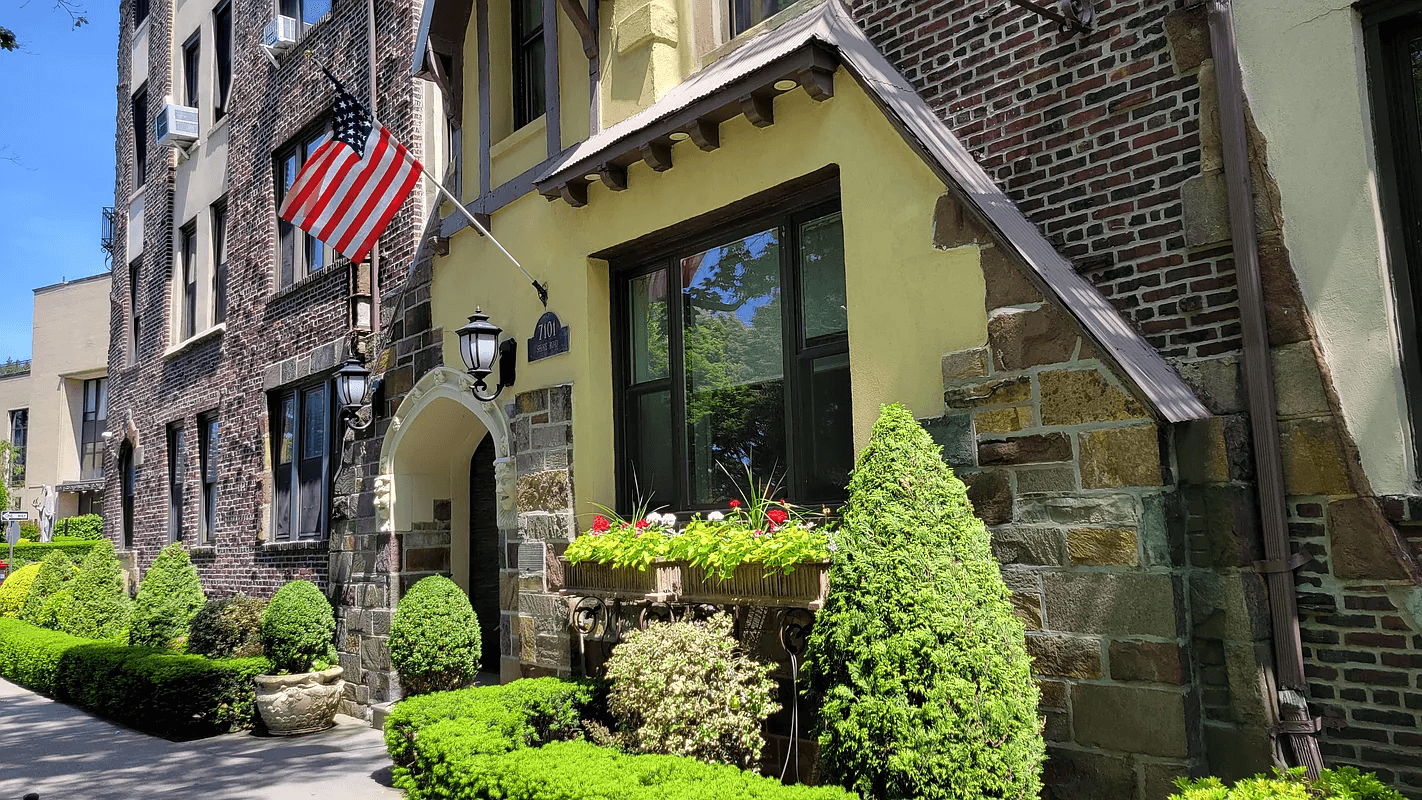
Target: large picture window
528, 49
299, 253
301, 445
91, 430
222, 64
219, 258
187, 254
19, 437
208, 453
177, 469
738, 346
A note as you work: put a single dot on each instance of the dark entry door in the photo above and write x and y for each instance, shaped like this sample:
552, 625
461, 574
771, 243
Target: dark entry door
484, 552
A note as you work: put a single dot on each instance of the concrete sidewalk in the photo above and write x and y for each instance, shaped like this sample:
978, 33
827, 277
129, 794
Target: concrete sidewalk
66, 754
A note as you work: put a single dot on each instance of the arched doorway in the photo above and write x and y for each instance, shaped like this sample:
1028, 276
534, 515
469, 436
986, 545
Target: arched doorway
484, 551
126, 486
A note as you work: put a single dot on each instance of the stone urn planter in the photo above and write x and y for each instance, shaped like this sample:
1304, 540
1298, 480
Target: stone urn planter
303, 702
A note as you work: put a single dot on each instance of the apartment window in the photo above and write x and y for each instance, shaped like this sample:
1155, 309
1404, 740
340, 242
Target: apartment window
301, 436
19, 437
1393, 36
305, 12
299, 254
222, 52
135, 318
208, 459
177, 468
91, 429
219, 257
187, 244
191, 53
737, 343
528, 88
140, 136
140, 12
126, 489
746, 14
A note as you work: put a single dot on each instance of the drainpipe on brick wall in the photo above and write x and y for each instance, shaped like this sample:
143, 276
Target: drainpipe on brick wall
374, 251
1295, 726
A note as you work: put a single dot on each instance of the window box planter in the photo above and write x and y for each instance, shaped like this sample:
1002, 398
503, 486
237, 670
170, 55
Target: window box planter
751, 584
591, 579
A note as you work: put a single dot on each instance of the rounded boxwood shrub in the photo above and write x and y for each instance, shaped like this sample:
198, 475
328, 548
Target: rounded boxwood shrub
101, 605
434, 638
55, 573
168, 599
920, 665
297, 628
1344, 783
685, 689
16, 588
230, 627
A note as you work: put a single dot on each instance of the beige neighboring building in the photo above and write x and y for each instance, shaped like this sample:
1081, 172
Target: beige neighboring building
56, 412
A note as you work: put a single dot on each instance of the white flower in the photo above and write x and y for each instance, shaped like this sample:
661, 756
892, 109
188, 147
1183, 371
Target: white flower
654, 518
715, 516
669, 519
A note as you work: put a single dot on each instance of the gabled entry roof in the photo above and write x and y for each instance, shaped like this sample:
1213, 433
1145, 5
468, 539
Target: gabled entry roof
806, 51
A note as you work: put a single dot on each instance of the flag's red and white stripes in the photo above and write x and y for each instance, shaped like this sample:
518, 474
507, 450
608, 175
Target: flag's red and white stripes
346, 200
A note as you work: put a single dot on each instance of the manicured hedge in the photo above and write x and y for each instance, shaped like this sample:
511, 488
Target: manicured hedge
31, 552
504, 741
85, 526
164, 693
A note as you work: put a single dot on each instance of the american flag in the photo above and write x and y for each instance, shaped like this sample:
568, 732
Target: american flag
353, 184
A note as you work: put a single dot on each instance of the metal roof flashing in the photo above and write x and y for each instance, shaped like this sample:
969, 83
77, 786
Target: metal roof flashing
808, 49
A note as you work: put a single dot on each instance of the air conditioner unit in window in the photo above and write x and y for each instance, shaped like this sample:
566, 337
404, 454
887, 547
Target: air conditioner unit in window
175, 124
280, 34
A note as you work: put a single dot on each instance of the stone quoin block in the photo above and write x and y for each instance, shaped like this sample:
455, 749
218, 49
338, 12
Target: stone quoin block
1130, 719
1022, 337
962, 365
1071, 397
1039, 547
1116, 603
1102, 546
1065, 655
1007, 391
1007, 283
1313, 458
1119, 457
1156, 662
1003, 420
991, 495
1031, 449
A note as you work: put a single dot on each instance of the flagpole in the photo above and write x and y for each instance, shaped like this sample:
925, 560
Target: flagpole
542, 289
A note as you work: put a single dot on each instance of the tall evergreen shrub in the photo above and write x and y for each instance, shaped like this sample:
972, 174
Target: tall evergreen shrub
919, 663
168, 599
101, 606
55, 573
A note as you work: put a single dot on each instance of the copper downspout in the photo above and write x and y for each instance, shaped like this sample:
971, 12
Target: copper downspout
1294, 726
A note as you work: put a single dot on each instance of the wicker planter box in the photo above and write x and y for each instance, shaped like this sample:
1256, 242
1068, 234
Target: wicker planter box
751, 584
591, 579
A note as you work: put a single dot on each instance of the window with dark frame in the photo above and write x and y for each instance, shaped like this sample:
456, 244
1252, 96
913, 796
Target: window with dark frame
528, 49
305, 12
140, 12
19, 437
177, 468
219, 259
192, 53
222, 58
140, 136
127, 479
135, 318
737, 342
1393, 38
301, 459
187, 254
746, 14
208, 456
299, 253
91, 429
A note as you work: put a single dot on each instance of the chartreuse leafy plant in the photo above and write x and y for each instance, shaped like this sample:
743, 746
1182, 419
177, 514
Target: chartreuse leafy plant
16, 588
168, 599
434, 638
297, 629
1344, 783
55, 573
101, 606
683, 688
920, 666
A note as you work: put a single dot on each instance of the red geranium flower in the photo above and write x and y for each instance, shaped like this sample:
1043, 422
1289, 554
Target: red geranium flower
777, 515
735, 504
641, 524
601, 525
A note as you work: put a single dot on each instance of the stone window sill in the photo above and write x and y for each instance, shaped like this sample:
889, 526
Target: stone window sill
298, 545
193, 341
203, 550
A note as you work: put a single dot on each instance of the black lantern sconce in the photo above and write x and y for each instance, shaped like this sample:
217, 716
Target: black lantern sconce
353, 383
480, 347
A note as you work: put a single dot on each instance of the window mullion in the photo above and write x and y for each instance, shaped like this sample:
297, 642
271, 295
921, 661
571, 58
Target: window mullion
676, 361
790, 350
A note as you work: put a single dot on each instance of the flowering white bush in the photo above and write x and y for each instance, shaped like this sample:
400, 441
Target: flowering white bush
684, 688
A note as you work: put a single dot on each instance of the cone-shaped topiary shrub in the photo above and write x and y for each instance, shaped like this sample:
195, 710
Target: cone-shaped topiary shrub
230, 627
918, 661
168, 599
297, 628
101, 606
55, 573
16, 588
434, 638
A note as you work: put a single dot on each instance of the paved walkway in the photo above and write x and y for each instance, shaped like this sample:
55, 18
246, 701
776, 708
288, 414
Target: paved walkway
64, 753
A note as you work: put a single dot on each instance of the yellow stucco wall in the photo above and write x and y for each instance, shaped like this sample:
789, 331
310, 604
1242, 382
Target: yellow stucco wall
1305, 77
908, 302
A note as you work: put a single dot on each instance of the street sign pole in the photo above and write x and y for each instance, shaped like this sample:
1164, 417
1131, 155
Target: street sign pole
12, 534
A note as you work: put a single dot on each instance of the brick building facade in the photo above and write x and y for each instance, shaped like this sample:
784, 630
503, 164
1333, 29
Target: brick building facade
248, 334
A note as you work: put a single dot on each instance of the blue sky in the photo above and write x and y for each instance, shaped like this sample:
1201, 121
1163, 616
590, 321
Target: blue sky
57, 104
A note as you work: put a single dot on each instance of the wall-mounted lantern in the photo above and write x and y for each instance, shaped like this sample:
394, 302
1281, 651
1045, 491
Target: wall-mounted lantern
480, 347
353, 383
